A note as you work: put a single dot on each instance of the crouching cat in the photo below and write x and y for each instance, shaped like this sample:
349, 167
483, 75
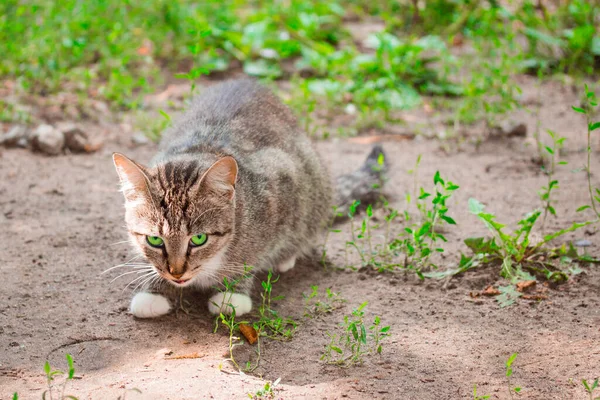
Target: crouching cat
235, 183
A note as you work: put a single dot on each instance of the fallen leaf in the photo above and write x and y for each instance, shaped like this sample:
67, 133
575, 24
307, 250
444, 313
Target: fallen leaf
521, 286
185, 356
490, 291
249, 333
473, 294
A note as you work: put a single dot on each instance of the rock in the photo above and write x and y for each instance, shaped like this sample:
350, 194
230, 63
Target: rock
75, 138
139, 139
510, 129
48, 139
17, 136
23, 142
582, 243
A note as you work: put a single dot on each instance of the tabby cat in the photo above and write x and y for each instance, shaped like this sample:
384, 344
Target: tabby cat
235, 184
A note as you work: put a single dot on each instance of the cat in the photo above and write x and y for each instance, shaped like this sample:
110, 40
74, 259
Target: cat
235, 184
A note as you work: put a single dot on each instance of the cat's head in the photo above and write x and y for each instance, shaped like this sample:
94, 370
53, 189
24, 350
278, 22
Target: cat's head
180, 215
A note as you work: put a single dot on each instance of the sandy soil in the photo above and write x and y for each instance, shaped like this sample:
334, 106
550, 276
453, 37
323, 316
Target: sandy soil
62, 222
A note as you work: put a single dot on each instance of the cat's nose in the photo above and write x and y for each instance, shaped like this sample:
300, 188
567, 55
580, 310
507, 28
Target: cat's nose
176, 276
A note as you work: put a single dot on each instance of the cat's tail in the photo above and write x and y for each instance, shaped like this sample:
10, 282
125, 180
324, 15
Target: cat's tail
364, 185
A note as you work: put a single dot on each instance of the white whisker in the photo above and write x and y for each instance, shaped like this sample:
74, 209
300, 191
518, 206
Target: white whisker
121, 242
144, 282
131, 272
125, 265
122, 265
138, 278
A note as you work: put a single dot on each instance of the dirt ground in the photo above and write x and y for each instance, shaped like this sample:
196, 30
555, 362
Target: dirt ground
62, 224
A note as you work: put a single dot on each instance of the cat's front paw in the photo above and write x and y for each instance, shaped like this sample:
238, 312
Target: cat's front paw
222, 303
149, 305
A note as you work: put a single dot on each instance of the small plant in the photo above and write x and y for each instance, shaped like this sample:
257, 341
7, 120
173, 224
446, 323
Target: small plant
418, 242
271, 324
354, 343
50, 376
514, 250
590, 388
233, 326
509, 372
314, 306
477, 397
266, 392
591, 103
229, 321
546, 192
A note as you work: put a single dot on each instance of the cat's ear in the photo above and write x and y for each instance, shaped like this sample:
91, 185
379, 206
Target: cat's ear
221, 177
134, 182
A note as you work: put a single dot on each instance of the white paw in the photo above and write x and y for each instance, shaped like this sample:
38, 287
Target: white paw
287, 265
222, 303
149, 305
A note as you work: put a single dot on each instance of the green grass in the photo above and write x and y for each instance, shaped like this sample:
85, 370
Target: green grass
589, 388
406, 240
118, 51
355, 339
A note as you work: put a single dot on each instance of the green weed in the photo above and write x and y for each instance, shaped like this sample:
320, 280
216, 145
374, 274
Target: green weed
356, 340
514, 250
589, 388
230, 321
270, 323
591, 103
509, 372
267, 392
103, 50
59, 390
546, 192
419, 241
377, 242
318, 305
477, 397
53, 389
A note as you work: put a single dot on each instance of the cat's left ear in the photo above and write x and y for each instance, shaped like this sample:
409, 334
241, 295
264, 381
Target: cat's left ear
221, 177
134, 182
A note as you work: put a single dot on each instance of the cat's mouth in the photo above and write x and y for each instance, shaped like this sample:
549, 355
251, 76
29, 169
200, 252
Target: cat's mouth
181, 281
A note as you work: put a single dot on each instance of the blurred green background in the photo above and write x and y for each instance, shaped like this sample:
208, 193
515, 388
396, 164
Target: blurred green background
378, 56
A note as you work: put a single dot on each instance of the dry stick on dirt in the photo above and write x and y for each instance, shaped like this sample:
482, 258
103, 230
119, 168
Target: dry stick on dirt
186, 356
78, 341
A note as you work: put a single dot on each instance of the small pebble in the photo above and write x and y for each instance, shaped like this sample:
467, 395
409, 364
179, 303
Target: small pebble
511, 129
582, 243
139, 139
17, 136
48, 140
76, 139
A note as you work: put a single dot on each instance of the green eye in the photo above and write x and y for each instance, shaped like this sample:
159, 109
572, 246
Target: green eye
155, 241
199, 240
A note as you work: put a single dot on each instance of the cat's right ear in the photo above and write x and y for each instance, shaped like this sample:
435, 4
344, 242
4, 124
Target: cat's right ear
221, 177
134, 182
